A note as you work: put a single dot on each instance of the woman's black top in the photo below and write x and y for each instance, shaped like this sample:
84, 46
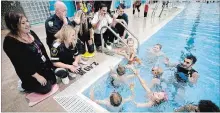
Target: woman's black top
60, 53
29, 59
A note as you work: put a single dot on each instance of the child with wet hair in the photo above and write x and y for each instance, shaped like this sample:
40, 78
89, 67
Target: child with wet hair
156, 50
154, 98
157, 72
130, 55
115, 101
120, 76
154, 53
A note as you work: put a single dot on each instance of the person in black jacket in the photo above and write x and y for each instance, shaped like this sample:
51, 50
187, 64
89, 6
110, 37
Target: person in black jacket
54, 23
28, 55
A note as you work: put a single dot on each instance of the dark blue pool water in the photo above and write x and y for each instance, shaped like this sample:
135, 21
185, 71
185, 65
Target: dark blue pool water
195, 30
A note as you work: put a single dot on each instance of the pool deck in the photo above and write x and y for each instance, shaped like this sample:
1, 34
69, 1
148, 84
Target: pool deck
14, 101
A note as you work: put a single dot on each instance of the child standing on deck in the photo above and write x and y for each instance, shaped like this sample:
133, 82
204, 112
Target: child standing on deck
146, 9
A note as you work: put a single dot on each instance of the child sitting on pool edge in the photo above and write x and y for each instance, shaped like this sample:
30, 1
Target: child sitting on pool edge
130, 55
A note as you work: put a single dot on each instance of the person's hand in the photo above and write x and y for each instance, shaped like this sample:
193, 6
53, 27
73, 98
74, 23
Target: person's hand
72, 68
111, 70
132, 86
90, 41
65, 22
166, 61
41, 80
115, 15
101, 17
75, 64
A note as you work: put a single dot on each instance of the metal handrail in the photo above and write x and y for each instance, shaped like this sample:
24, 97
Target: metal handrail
114, 34
123, 24
163, 6
155, 8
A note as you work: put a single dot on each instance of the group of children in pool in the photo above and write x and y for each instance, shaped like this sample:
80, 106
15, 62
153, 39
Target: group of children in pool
115, 101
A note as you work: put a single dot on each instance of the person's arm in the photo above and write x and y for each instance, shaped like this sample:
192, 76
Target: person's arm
130, 98
147, 104
131, 67
55, 58
187, 108
113, 74
76, 20
132, 56
65, 21
130, 76
92, 97
40, 79
194, 78
154, 81
114, 20
168, 64
66, 66
76, 54
144, 85
77, 17
121, 51
76, 61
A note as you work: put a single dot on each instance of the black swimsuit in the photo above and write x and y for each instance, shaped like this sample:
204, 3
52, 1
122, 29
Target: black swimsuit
186, 73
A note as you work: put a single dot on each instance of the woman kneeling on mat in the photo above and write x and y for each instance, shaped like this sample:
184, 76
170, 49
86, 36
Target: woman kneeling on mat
28, 55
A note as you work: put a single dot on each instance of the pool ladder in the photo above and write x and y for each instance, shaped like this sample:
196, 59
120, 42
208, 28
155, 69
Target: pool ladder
124, 24
154, 10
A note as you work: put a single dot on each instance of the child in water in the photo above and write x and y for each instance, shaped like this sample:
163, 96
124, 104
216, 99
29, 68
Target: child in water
120, 76
154, 53
157, 72
115, 101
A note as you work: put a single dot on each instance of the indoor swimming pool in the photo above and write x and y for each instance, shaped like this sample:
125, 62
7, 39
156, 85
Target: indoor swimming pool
194, 31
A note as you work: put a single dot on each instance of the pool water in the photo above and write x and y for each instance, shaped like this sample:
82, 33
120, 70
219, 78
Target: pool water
196, 30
